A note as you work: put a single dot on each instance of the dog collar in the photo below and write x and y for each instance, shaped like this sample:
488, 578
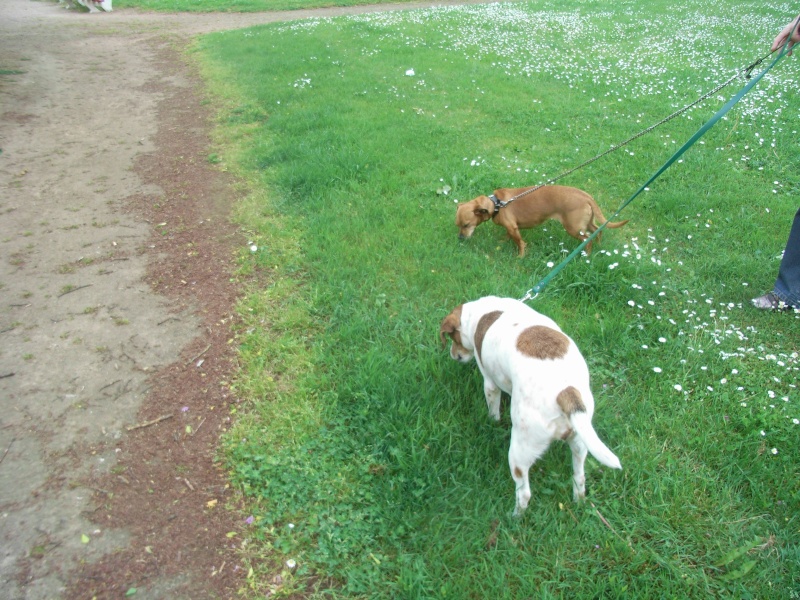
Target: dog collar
497, 203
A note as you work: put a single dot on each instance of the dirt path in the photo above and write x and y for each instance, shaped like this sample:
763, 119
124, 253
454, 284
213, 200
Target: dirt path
102, 310
115, 308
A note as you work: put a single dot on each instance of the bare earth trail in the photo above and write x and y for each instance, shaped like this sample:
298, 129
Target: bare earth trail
116, 305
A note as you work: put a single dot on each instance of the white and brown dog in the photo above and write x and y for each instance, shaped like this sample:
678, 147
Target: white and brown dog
525, 354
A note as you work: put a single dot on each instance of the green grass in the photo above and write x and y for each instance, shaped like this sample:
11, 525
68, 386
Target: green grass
363, 451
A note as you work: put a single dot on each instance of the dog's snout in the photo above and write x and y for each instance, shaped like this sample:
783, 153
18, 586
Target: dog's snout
460, 354
464, 233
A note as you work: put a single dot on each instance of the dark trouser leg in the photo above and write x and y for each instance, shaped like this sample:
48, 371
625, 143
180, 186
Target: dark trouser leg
787, 286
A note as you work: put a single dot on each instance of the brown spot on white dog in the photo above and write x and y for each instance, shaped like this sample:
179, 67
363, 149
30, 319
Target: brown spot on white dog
517, 472
570, 401
544, 343
484, 323
450, 326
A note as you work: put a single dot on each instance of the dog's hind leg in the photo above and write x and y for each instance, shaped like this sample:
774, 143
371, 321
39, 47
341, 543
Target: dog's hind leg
522, 453
590, 229
493, 395
579, 452
579, 225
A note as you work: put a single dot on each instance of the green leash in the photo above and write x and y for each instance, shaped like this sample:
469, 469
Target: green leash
534, 291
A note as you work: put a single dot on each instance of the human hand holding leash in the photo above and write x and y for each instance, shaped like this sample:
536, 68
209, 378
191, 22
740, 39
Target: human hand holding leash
790, 30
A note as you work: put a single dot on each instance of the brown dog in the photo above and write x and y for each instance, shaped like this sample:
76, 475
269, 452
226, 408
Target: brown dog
576, 210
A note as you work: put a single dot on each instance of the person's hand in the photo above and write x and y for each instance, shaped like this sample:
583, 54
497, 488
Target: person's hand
790, 30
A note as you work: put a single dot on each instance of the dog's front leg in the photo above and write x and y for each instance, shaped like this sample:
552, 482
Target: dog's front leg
514, 234
493, 395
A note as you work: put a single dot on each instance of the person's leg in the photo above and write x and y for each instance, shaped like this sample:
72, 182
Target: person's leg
787, 286
786, 293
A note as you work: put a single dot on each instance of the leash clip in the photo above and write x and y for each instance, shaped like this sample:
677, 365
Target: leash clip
529, 297
748, 72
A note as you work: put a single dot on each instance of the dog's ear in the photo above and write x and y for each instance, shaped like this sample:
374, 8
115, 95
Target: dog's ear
482, 214
450, 325
448, 328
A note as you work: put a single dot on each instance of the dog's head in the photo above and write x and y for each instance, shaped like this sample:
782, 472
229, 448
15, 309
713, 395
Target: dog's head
471, 214
460, 347
467, 324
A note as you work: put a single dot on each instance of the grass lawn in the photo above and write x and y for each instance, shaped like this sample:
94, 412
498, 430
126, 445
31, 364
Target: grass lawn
364, 452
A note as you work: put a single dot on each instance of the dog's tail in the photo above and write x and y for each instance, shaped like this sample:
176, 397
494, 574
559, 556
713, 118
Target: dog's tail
571, 403
582, 425
600, 218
